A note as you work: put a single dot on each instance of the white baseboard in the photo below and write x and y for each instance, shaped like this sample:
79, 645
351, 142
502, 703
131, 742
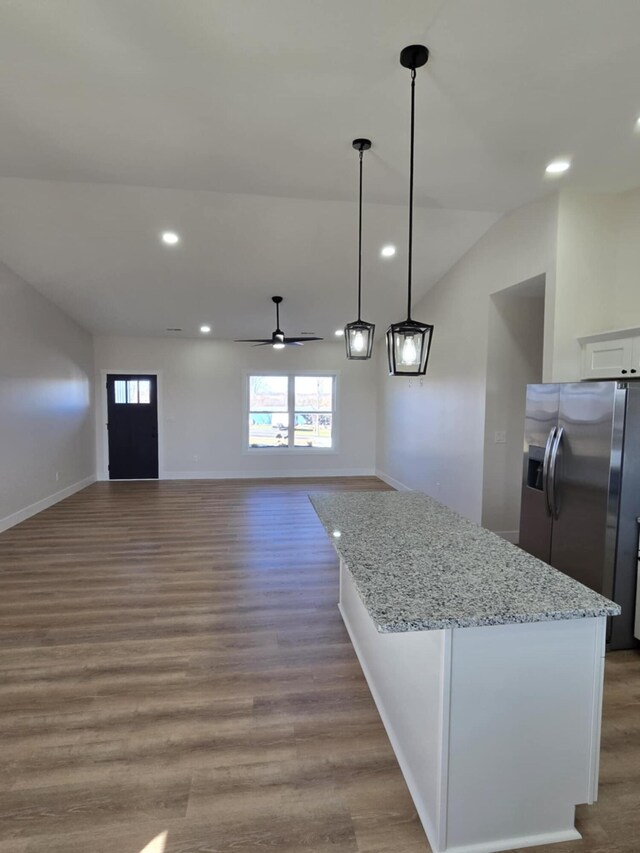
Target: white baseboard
509, 535
33, 509
517, 843
260, 475
391, 481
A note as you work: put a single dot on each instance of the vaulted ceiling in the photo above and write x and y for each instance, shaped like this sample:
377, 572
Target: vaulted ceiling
230, 122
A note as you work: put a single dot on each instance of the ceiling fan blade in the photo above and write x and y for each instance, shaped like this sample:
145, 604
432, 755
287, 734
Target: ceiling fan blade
252, 341
293, 344
301, 340
264, 344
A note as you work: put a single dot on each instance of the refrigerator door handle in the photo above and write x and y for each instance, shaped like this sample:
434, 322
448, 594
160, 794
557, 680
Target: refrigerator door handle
553, 465
545, 469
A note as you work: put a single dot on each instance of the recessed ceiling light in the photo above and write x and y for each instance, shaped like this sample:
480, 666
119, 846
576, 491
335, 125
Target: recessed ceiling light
338, 333
205, 329
557, 167
388, 251
638, 123
170, 238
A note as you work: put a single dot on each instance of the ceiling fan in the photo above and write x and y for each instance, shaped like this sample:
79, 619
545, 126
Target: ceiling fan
278, 340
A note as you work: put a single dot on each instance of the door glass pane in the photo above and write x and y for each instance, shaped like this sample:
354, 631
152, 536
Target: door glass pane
144, 391
313, 430
268, 393
268, 429
120, 389
132, 391
314, 393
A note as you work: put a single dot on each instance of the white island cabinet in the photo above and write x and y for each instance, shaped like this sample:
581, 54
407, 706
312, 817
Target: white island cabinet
486, 666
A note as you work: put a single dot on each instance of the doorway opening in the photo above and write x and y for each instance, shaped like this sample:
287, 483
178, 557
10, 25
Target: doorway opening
132, 424
514, 360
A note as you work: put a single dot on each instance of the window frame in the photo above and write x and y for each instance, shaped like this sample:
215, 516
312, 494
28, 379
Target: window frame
290, 448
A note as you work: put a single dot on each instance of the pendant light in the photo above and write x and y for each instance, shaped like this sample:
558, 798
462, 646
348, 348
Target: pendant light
409, 342
358, 336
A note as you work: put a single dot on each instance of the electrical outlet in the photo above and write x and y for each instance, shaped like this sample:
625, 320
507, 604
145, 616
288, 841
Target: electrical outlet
57, 476
195, 457
500, 437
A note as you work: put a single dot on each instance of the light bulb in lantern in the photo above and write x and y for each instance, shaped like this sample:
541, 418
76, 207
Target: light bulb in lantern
358, 342
409, 352
278, 346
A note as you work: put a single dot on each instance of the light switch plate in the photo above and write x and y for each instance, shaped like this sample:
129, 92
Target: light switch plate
500, 437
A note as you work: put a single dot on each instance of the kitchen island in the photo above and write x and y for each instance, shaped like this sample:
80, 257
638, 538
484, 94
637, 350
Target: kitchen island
486, 666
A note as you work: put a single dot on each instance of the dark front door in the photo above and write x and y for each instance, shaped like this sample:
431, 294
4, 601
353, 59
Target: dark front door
132, 411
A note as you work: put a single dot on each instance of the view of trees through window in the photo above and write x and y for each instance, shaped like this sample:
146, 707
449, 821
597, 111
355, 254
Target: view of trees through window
291, 411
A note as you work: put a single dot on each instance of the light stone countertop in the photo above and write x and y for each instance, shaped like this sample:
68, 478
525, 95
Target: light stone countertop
418, 566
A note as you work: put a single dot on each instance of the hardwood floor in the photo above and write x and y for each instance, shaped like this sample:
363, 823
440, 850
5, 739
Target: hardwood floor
172, 661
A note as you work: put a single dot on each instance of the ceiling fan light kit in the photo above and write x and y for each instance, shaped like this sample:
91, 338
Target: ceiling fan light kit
278, 339
409, 342
358, 335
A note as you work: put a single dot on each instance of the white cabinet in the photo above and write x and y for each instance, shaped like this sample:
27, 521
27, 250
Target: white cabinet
611, 355
635, 357
496, 728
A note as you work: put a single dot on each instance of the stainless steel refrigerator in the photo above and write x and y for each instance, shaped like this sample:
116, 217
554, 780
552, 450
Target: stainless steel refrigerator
581, 488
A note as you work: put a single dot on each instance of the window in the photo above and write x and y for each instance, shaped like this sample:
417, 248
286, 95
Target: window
291, 411
132, 390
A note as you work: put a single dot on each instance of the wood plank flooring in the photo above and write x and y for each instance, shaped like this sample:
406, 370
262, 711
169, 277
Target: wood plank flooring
172, 661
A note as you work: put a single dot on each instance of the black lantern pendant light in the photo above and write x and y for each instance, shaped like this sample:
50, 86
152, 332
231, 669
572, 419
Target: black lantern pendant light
409, 342
358, 336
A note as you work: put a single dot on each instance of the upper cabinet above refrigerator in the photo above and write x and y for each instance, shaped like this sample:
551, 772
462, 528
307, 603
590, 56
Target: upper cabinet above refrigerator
611, 355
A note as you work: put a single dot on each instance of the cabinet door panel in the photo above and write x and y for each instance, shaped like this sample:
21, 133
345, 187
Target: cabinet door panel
607, 359
635, 357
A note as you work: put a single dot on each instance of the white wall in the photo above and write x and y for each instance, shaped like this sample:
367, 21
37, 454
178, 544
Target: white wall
46, 418
431, 433
597, 275
201, 396
514, 360
626, 303
586, 275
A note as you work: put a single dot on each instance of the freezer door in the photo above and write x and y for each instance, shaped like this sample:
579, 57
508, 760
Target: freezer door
584, 482
540, 429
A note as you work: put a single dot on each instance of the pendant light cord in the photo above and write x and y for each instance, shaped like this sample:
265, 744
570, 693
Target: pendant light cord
360, 242
413, 117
